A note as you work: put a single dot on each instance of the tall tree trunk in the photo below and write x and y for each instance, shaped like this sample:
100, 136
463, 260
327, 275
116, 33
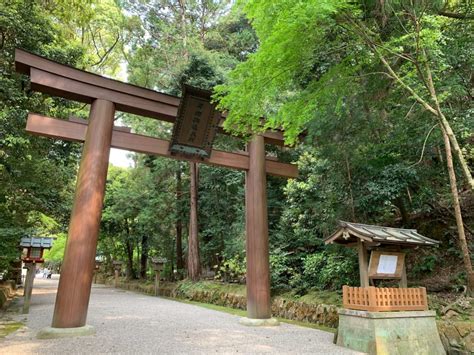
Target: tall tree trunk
144, 256
179, 224
171, 258
447, 127
457, 149
351, 196
129, 251
436, 111
194, 265
184, 34
400, 203
458, 215
139, 254
363, 31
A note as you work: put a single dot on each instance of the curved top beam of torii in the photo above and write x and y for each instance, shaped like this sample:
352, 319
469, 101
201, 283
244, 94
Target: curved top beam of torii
57, 79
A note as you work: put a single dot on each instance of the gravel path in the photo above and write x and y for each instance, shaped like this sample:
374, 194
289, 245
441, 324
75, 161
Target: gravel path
128, 322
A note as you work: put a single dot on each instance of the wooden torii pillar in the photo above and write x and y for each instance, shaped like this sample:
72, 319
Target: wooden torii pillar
72, 300
256, 222
99, 135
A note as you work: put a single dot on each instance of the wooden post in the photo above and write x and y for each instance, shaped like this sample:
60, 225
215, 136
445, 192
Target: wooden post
345, 295
116, 273
256, 217
363, 264
75, 283
157, 282
30, 277
403, 280
372, 299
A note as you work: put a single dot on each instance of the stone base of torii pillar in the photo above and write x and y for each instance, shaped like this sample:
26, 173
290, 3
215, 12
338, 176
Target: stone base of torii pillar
253, 322
53, 333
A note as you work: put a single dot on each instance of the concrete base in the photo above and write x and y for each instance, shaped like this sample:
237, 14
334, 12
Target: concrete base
53, 333
252, 322
389, 332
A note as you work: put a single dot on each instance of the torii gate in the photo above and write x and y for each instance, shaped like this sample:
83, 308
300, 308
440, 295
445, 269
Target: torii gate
99, 135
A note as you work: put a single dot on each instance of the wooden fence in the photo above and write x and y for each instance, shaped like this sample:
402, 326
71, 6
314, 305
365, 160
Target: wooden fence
384, 299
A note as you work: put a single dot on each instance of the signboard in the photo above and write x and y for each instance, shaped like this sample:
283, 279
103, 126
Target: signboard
196, 124
386, 265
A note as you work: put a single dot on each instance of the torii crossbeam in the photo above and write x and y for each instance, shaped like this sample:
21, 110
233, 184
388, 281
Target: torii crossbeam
99, 134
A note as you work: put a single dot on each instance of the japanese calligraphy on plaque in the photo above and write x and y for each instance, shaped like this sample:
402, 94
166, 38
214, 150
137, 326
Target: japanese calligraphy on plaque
196, 124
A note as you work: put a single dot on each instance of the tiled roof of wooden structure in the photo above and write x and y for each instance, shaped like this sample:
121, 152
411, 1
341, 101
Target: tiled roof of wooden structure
36, 242
351, 232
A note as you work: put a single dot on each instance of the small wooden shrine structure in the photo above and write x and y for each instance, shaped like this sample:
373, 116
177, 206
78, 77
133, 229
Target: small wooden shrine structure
375, 320
386, 244
33, 248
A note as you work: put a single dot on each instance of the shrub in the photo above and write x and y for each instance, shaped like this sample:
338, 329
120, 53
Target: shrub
330, 270
281, 270
233, 270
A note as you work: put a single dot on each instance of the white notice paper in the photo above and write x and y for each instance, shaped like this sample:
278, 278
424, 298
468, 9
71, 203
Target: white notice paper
387, 264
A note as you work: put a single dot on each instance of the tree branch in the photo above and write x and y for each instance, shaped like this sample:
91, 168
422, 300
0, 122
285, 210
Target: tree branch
107, 52
456, 15
424, 146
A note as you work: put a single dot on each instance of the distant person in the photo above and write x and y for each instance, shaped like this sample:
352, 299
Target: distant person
45, 273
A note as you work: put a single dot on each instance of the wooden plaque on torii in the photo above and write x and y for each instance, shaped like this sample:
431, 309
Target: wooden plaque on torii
195, 125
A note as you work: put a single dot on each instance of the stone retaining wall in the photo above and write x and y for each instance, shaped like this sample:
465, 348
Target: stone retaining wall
457, 337
321, 314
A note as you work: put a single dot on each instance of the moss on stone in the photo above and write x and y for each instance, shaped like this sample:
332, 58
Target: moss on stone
190, 286
8, 328
316, 297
